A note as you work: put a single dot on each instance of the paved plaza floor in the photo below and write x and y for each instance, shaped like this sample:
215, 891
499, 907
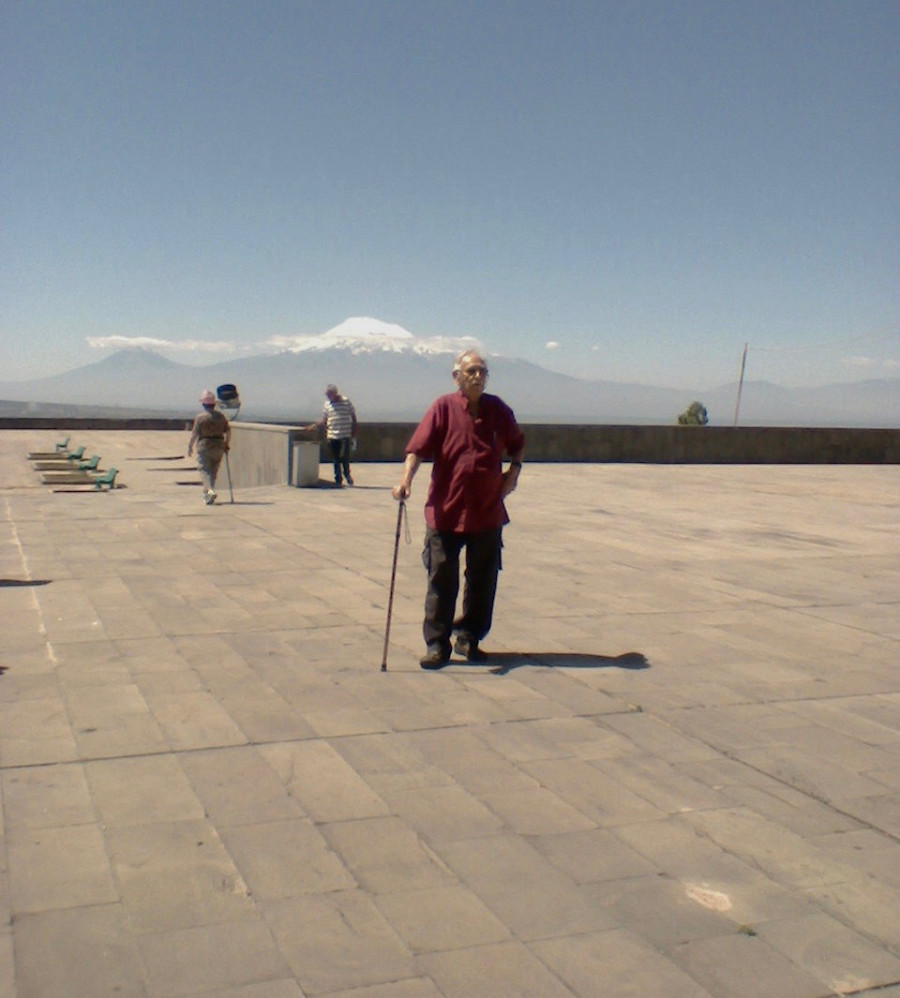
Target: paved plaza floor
678, 776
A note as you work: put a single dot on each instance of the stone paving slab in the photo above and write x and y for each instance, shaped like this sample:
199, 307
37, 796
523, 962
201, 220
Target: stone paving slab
677, 775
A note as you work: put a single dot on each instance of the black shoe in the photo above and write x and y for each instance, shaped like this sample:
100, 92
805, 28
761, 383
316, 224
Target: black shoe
435, 658
349, 480
468, 648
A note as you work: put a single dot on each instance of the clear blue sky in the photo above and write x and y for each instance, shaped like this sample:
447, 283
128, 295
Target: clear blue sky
622, 190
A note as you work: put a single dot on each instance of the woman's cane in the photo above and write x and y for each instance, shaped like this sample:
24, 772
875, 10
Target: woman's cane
229, 402
387, 626
228, 470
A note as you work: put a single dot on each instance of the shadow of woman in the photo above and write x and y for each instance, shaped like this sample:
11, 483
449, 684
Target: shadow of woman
503, 662
25, 582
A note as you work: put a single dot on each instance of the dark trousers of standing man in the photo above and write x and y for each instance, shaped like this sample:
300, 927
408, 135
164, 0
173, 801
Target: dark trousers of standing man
441, 558
340, 456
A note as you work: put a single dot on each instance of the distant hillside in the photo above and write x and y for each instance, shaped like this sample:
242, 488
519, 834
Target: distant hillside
11, 409
397, 384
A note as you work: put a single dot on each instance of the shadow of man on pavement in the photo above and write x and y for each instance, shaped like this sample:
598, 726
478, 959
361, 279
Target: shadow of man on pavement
500, 663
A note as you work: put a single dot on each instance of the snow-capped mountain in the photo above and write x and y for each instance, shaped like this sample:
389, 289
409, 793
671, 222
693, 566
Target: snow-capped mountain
363, 334
392, 375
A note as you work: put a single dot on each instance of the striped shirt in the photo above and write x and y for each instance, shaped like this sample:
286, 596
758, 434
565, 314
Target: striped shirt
339, 417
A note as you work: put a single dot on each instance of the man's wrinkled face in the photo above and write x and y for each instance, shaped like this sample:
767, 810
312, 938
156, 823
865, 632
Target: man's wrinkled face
472, 376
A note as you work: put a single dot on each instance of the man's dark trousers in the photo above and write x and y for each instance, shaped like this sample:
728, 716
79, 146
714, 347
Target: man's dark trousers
340, 456
441, 558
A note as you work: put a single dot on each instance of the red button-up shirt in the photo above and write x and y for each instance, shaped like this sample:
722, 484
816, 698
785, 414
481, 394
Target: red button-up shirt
466, 477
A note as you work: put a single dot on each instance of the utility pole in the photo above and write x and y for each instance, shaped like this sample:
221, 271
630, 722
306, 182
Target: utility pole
737, 404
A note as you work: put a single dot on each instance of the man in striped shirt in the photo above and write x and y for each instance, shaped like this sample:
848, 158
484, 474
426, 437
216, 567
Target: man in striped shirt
339, 420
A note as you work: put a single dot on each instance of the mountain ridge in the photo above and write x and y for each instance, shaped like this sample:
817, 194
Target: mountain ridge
396, 384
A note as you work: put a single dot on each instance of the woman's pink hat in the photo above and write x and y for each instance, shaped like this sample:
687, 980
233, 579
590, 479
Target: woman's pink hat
207, 398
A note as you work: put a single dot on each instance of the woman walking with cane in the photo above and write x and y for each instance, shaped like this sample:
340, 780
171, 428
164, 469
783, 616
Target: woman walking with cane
211, 434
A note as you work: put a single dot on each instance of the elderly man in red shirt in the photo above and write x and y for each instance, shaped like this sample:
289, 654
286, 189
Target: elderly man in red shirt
465, 434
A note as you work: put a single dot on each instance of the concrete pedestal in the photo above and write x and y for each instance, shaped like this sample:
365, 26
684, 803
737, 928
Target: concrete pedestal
305, 465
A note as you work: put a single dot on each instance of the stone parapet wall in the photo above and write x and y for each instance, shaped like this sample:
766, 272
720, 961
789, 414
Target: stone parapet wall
550, 442
712, 445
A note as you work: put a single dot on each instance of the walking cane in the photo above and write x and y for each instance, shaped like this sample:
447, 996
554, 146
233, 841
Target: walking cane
229, 402
387, 626
228, 469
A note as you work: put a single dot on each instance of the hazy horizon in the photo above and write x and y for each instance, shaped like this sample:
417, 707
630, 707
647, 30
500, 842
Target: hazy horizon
395, 377
207, 362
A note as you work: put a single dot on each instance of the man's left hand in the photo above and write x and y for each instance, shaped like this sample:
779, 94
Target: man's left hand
510, 480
